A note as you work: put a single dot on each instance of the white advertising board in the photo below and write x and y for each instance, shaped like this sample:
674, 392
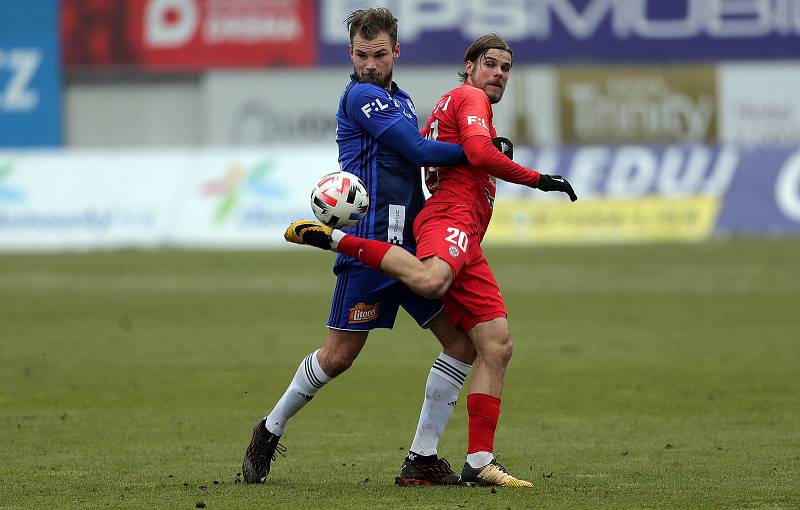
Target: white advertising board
246, 198
759, 104
65, 200
79, 200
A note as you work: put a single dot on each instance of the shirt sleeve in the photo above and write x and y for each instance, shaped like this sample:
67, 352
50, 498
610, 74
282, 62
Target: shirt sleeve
406, 140
482, 153
372, 108
473, 112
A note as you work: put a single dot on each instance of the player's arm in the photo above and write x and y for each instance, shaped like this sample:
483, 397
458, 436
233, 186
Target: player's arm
546, 182
482, 153
373, 110
472, 110
405, 139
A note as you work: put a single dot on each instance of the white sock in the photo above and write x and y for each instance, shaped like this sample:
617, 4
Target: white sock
308, 379
479, 459
441, 394
336, 236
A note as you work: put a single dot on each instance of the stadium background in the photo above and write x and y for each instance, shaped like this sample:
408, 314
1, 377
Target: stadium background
152, 151
197, 123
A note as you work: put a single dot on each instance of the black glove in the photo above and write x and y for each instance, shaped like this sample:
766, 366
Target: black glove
505, 146
556, 183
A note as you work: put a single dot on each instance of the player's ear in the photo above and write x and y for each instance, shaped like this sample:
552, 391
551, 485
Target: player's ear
469, 66
396, 51
350, 50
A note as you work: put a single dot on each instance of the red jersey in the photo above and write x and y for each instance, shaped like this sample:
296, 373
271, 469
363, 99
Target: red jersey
464, 114
461, 113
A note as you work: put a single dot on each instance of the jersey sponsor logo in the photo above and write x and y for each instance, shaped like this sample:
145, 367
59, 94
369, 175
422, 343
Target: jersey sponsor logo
397, 223
374, 105
402, 108
474, 119
363, 313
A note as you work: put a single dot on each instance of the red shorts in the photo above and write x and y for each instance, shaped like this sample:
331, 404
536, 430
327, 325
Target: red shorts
450, 232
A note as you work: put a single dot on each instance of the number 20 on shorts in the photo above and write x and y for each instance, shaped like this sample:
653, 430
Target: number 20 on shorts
458, 238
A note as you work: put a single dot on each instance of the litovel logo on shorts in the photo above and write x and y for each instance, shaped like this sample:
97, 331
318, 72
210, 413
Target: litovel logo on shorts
363, 313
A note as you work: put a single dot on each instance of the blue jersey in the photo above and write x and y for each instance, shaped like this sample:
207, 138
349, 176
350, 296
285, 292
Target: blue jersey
366, 111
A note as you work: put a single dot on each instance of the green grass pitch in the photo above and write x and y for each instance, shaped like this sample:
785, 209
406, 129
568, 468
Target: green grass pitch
662, 376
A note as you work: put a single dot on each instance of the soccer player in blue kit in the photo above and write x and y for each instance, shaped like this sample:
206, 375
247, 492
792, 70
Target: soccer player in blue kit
378, 141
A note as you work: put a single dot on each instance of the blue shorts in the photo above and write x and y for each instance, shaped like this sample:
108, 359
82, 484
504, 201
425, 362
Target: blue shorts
365, 299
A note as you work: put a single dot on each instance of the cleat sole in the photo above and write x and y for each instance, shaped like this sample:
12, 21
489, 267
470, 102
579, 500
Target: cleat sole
411, 481
406, 481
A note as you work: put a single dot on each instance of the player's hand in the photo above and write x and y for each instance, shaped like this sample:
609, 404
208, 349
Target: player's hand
505, 146
556, 183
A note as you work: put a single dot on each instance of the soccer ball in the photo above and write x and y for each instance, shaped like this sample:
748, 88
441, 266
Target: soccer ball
339, 200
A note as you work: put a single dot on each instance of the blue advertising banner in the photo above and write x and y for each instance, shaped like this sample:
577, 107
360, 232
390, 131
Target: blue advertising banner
30, 74
437, 31
640, 193
764, 196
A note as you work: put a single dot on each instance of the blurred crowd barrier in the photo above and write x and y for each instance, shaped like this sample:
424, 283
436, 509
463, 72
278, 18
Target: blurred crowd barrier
205, 122
245, 198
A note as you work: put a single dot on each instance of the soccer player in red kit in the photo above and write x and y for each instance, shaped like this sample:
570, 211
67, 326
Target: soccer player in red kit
449, 262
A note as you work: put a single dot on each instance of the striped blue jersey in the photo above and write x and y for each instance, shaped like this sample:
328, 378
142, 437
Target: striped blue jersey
366, 111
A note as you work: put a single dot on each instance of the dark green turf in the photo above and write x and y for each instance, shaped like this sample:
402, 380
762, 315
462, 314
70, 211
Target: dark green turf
663, 376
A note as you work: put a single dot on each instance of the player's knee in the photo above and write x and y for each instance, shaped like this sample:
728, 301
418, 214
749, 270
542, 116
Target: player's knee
336, 363
499, 350
506, 350
339, 365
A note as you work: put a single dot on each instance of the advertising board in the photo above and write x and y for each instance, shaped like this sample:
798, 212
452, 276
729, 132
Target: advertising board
759, 104
640, 193
53, 200
228, 199
247, 198
649, 104
435, 31
30, 74
189, 34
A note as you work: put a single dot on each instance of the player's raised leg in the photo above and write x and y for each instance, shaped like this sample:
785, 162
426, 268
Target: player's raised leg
316, 370
493, 343
429, 278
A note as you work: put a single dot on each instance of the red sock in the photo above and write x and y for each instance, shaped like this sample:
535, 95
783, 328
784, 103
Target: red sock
483, 411
368, 251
